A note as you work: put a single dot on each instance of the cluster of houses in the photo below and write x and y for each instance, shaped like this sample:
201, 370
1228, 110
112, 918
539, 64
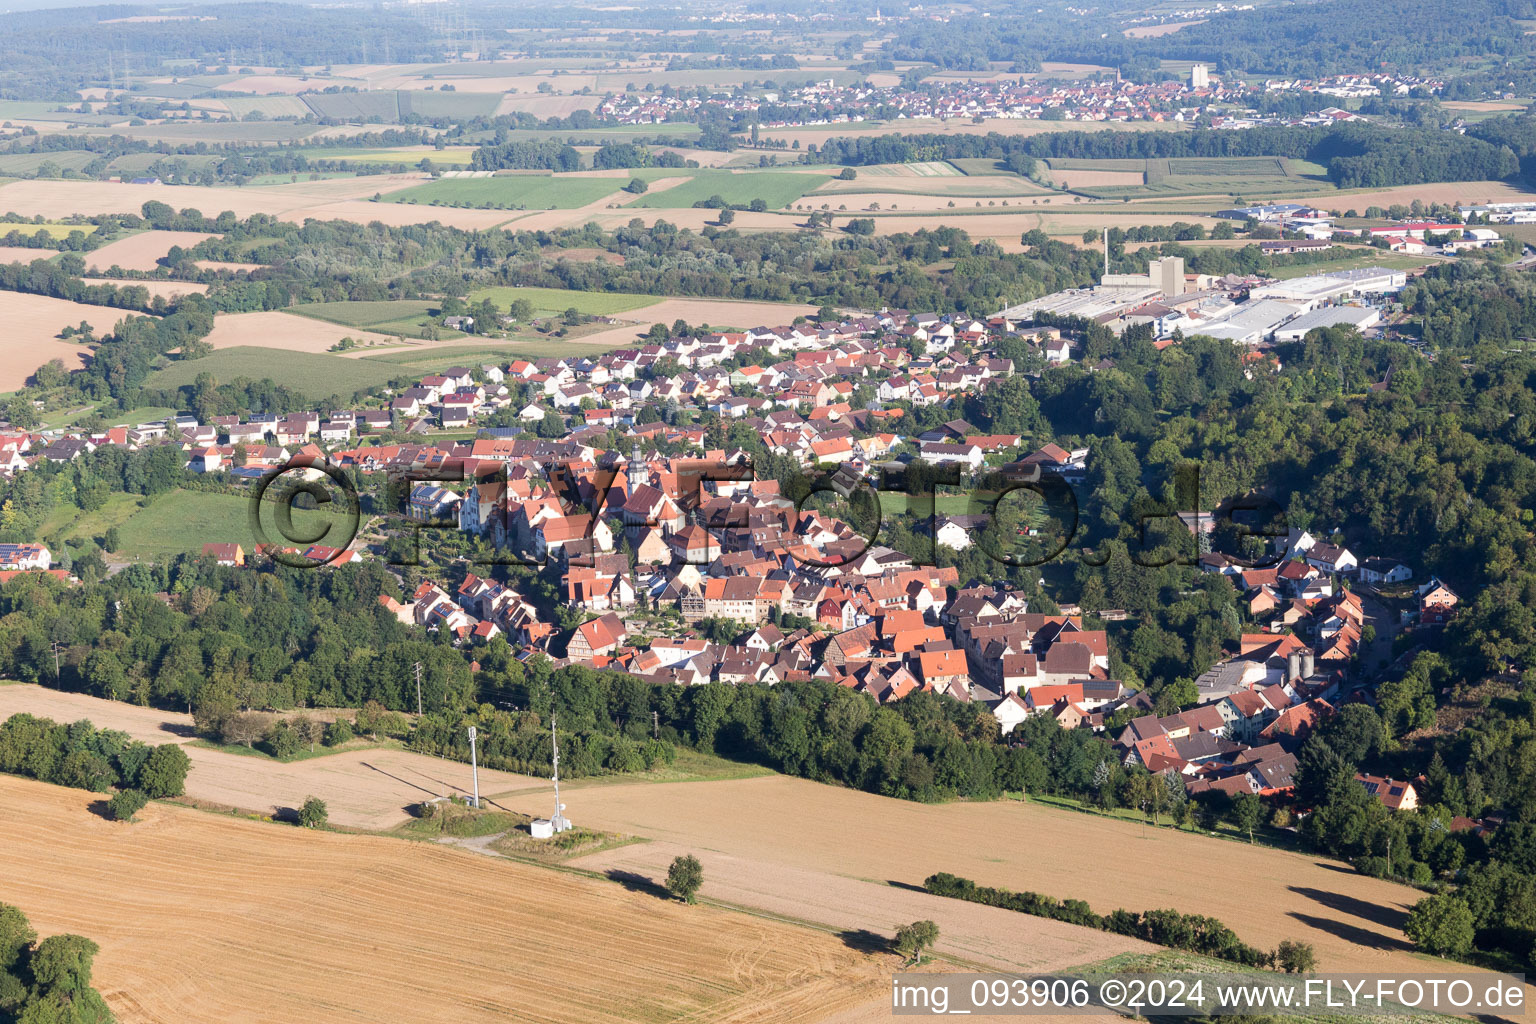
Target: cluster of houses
1010, 97
685, 569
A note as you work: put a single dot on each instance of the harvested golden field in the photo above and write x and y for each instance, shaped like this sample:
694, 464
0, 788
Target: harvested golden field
1165, 29
24, 254
32, 324
294, 202
785, 827
206, 917
361, 211
717, 313
1006, 227
165, 289
987, 937
1483, 106
694, 218
368, 788
543, 105
278, 330
1437, 192
141, 251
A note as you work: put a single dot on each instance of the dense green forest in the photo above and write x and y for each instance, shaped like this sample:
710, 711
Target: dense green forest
46, 981
1356, 155
1341, 37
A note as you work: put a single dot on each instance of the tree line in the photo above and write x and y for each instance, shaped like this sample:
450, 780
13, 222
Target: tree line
82, 756
46, 981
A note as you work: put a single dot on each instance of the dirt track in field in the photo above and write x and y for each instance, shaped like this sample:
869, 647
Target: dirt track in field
203, 917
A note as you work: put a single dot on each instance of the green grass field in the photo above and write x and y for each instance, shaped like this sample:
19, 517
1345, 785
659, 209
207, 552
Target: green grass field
183, 521
511, 192
318, 376
436, 358
406, 318
554, 301
777, 188
29, 163
154, 529
1372, 258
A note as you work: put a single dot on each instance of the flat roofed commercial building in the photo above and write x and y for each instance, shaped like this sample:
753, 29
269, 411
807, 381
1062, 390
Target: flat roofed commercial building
1358, 317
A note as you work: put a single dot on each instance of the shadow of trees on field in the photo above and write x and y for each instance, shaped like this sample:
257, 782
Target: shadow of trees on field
1387, 916
1352, 933
862, 940
178, 729
635, 882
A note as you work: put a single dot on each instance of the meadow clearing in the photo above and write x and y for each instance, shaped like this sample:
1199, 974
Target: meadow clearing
177, 522
208, 917
315, 375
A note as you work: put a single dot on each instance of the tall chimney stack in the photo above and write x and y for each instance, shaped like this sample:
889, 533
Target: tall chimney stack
1106, 252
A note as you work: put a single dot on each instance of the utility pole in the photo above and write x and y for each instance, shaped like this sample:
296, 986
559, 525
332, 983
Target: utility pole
418, 689
56, 648
559, 822
474, 766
